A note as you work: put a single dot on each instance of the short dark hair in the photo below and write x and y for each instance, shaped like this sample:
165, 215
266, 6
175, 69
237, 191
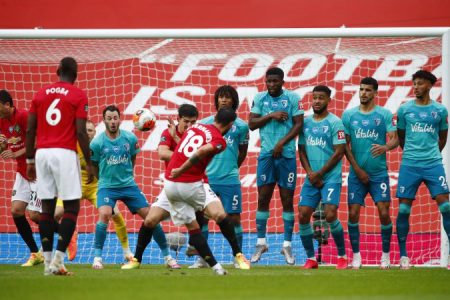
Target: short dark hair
5, 97
275, 71
423, 74
111, 108
229, 92
322, 88
370, 81
225, 116
68, 69
187, 110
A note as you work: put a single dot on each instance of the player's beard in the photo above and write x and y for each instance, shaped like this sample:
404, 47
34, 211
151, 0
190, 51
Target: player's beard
110, 130
320, 111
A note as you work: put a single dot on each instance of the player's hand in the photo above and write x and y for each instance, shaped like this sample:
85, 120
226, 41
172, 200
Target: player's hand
173, 129
316, 179
6, 154
90, 173
362, 175
377, 150
175, 173
277, 150
280, 116
3, 139
31, 172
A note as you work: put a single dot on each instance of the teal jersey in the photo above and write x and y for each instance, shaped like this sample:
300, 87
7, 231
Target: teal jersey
223, 168
364, 130
274, 131
319, 138
114, 159
422, 125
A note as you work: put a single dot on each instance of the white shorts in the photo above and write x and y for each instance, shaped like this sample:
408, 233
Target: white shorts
58, 171
187, 198
25, 191
162, 201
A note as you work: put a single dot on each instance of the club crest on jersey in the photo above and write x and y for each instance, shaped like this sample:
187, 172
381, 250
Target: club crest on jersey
423, 114
116, 149
11, 129
284, 103
365, 122
377, 122
126, 146
325, 129
263, 177
434, 114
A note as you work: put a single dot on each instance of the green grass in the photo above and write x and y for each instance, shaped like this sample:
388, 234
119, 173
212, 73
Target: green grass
157, 282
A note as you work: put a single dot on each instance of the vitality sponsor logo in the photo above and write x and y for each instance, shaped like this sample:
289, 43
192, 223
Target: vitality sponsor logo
366, 134
117, 160
419, 127
316, 142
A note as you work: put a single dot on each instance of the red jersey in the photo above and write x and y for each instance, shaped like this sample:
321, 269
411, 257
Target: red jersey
167, 140
194, 138
57, 106
15, 131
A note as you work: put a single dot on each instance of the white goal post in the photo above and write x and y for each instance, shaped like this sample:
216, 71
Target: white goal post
27, 57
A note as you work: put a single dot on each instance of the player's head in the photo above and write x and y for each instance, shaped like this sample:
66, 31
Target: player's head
368, 89
67, 69
274, 81
226, 96
111, 118
187, 116
90, 129
224, 119
6, 103
321, 98
423, 81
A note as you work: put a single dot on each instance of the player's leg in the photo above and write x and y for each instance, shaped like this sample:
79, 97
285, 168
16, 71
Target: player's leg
330, 193
121, 231
309, 198
21, 196
265, 180
72, 248
437, 184
286, 174
409, 179
47, 231
106, 200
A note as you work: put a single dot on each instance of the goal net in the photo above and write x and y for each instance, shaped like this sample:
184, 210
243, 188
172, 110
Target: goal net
162, 73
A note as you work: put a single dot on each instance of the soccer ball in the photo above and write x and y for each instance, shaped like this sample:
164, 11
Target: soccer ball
144, 119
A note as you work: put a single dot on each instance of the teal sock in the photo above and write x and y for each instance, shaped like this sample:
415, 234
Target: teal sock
444, 208
306, 235
288, 220
403, 227
160, 239
205, 229
261, 223
353, 234
100, 237
386, 233
338, 236
239, 235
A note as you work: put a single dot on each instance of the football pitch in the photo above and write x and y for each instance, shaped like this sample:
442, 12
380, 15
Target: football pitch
261, 282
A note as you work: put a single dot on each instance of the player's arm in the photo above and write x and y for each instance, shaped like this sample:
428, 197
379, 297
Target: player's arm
401, 137
202, 152
243, 149
360, 173
95, 169
164, 152
29, 145
392, 143
442, 139
339, 150
257, 121
306, 165
133, 160
83, 141
295, 131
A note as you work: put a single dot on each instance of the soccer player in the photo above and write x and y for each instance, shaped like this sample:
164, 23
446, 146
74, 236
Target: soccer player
223, 170
422, 129
89, 192
321, 148
57, 118
161, 209
13, 124
366, 127
113, 155
278, 114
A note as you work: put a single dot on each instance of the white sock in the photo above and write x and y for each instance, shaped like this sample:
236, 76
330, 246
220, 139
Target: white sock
261, 241
59, 257
286, 243
127, 252
312, 258
217, 266
47, 257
